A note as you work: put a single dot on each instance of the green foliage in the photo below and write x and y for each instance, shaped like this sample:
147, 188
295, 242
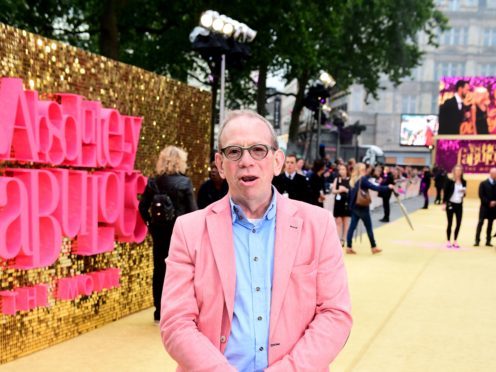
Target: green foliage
357, 41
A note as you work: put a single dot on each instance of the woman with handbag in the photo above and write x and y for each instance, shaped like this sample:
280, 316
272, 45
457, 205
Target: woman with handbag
359, 205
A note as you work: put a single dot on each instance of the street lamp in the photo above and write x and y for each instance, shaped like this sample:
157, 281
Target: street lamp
216, 37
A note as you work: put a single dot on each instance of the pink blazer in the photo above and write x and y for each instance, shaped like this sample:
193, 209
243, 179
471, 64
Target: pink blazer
310, 316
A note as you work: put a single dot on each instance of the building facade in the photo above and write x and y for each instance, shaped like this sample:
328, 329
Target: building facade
468, 48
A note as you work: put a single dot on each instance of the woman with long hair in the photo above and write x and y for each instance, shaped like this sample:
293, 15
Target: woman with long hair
359, 180
171, 181
341, 188
454, 192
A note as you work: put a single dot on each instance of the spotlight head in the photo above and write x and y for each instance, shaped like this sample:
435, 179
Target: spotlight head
218, 25
207, 19
228, 29
327, 79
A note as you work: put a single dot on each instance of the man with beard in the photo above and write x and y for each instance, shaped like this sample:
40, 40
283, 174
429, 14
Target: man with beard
452, 111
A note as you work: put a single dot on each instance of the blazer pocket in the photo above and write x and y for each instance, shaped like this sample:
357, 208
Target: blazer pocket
304, 269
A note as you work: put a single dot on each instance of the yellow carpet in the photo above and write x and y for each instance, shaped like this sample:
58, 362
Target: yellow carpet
417, 307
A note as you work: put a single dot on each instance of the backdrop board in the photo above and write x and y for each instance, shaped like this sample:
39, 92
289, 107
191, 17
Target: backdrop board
79, 135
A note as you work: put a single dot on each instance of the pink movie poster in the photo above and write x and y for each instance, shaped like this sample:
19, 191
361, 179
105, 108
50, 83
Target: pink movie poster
473, 111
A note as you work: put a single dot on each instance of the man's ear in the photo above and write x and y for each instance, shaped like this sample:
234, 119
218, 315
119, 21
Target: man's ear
279, 158
219, 162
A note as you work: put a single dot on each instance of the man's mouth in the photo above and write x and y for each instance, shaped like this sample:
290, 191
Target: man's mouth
248, 179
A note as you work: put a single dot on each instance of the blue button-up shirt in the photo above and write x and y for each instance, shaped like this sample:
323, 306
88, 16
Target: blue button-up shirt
247, 346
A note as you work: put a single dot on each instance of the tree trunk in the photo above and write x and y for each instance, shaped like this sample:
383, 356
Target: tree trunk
262, 89
297, 107
109, 31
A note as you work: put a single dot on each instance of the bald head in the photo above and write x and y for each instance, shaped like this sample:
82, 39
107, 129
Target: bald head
250, 117
492, 173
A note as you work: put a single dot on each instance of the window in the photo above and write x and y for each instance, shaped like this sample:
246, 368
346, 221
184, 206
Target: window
455, 36
408, 104
489, 37
471, 3
449, 69
487, 69
454, 5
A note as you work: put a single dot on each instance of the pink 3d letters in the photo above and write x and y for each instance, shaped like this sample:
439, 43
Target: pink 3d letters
41, 205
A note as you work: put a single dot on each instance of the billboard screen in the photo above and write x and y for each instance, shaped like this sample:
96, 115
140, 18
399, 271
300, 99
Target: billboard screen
471, 110
418, 130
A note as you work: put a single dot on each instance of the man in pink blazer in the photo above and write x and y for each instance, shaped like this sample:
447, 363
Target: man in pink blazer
215, 315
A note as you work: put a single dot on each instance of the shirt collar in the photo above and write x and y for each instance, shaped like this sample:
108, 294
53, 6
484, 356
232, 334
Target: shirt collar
290, 175
458, 98
238, 214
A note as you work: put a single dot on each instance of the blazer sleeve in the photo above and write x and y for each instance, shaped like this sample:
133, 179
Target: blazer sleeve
483, 195
328, 332
181, 337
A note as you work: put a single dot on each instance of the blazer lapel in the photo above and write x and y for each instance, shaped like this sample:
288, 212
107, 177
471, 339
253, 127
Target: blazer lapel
288, 229
219, 226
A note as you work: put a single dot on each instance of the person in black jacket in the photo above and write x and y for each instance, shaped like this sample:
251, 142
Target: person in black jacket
317, 183
487, 211
386, 180
452, 111
359, 179
171, 180
454, 192
425, 184
290, 183
439, 183
213, 189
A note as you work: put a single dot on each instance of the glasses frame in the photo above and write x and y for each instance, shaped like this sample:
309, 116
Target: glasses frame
249, 148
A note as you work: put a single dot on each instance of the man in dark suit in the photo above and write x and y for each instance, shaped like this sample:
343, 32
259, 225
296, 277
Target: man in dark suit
290, 183
487, 211
452, 111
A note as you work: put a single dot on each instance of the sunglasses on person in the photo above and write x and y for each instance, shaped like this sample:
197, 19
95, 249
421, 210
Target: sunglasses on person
257, 152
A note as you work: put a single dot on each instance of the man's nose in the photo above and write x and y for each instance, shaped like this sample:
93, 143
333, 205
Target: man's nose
245, 159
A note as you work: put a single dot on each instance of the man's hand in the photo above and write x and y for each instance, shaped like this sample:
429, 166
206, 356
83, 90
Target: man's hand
492, 203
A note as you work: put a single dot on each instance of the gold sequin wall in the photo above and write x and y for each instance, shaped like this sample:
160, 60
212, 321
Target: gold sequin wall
173, 112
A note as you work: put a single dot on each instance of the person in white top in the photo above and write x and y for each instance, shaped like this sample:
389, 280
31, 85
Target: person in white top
454, 192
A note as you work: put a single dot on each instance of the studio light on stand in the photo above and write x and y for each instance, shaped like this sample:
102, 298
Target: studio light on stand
221, 42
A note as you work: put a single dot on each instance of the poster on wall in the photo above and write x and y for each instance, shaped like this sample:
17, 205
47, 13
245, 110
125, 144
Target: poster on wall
467, 105
418, 130
476, 155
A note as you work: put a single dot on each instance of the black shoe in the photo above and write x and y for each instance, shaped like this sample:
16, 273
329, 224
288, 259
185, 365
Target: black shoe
425, 208
384, 220
476, 244
488, 244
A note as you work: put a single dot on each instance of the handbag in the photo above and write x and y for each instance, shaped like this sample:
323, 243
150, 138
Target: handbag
363, 197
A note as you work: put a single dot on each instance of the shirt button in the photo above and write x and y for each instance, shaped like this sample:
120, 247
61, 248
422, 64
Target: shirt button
257, 289
255, 259
222, 339
253, 231
260, 348
259, 318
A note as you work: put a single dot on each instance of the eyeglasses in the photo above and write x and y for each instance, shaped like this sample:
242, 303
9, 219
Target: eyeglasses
257, 152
